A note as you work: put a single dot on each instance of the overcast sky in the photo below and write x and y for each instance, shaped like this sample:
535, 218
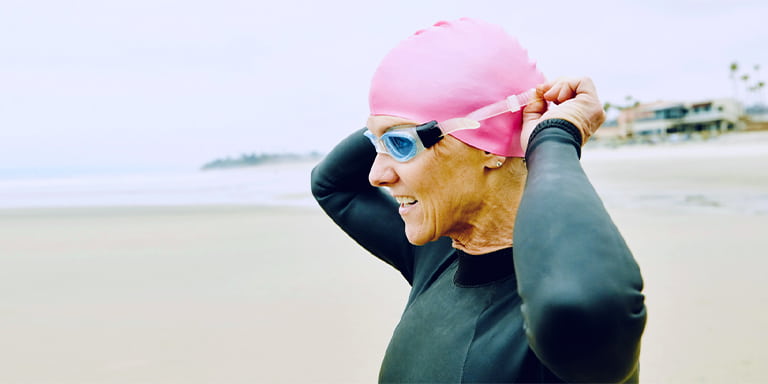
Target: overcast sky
176, 83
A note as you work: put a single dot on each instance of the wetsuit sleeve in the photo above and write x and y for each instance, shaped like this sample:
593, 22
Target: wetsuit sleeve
580, 285
367, 214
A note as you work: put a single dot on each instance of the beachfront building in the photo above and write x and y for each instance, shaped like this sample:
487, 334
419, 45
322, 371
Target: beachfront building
757, 117
758, 113
684, 119
673, 120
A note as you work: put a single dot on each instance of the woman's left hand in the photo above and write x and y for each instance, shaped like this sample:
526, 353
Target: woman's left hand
574, 99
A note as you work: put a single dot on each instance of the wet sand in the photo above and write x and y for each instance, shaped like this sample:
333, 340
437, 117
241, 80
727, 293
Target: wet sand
249, 294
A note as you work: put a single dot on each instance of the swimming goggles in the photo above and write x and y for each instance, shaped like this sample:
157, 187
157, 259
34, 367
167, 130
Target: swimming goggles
405, 142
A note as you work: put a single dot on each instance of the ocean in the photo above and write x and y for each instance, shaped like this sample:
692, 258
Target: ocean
276, 184
727, 175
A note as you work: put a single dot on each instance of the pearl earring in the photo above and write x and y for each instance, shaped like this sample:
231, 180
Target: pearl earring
498, 163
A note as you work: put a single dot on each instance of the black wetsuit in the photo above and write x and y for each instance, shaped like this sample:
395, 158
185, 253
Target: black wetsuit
567, 307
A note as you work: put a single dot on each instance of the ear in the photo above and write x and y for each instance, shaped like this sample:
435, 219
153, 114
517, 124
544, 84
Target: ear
492, 161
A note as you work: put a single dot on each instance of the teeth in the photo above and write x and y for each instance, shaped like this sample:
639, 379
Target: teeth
405, 200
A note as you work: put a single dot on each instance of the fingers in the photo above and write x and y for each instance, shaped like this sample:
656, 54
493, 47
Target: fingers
566, 88
561, 92
532, 113
576, 101
537, 104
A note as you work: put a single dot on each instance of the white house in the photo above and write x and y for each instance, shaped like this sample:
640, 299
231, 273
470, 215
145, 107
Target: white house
661, 119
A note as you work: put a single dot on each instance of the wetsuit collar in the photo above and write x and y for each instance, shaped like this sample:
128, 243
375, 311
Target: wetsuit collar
476, 270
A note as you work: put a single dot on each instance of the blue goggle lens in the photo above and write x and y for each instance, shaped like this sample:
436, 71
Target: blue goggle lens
401, 147
405, 143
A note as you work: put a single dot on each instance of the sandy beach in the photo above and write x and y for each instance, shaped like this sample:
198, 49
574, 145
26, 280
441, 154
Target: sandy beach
251, 294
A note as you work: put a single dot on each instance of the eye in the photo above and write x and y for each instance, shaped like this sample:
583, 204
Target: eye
401, 145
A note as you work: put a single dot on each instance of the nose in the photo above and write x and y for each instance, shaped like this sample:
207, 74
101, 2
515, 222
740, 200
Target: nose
382, 172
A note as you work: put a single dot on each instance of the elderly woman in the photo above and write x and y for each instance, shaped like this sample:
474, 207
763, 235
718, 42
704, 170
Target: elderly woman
518, 273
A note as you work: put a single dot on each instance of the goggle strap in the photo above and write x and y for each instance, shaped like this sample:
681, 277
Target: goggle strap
511, 103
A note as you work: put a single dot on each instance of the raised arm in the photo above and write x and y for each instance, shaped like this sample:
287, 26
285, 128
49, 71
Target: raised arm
580, 285
340, 185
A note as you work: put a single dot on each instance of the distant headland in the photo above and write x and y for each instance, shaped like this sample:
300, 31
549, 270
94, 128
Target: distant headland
251, 160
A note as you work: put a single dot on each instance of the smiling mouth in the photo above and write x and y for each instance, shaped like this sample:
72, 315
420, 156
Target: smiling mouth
405, 201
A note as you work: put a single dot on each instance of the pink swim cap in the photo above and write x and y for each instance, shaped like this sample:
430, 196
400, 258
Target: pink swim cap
452, 69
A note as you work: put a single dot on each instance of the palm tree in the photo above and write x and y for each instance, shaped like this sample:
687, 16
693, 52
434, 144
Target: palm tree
760, 84
745, 79
734, 69
759, 90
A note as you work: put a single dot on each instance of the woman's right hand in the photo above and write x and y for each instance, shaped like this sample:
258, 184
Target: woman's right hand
574, 100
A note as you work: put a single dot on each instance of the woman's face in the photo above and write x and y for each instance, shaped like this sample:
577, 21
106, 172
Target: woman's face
435, 189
